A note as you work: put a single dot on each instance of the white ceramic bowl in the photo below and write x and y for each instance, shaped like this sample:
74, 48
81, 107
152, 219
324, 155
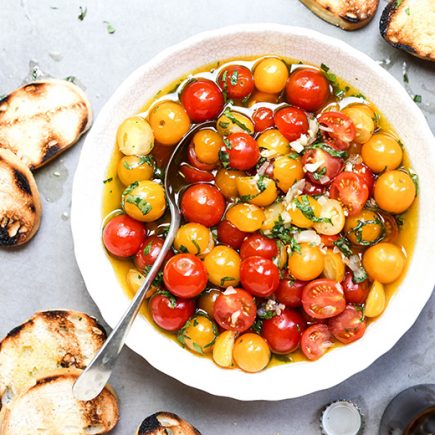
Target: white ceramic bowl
285, 381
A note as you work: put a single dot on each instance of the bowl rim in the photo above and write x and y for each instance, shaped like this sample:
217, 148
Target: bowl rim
235, 378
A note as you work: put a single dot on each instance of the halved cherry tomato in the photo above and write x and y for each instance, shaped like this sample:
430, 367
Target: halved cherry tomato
289, 292
203, 204
365, 173
243, 152
355, 293
148, 251
291, 122
185, 275
229, 235
390, 227
283, 332
307, 88
258, 245
263, 119
202, 99
236, 81
235, 310
339, 127
348, 326
315, 341
351, 190
328, 166
169, 312
194, 161
194, 175
323, 298
123, 235
259, 276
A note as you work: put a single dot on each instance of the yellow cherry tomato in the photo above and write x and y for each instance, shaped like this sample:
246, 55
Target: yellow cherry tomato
382, 152
270, 75
194, 238
207, 144
273, 141
287, 170
271, 215
223, 349
246, 217
257, 190
333, 215
395, 191
135, 280
362, 117
251, 352
234, 122
207, 299
226, 181
199, 334
376, 300
310, 207
169, 121
223, 266
363, 229
384, 262
262, 97
308, 264
334, 267
135, 168
144, 201
135, 137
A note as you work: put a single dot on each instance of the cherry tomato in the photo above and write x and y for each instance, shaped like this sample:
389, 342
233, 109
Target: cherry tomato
340, 128
206, 144
251, 352
185, 275
123, 235
313, 189
382, 152
323, 298
283, 332
362, 117
315, 341
351, 190
348, 326
246, 217
289, 292
148, 252
235, 310
328, 240
223, 266
258, 245
237, 81
355, 293
194, 175
135, 168
390, 227
202, 99
365, 173
229, 235
291, 122
263, 119
194, 160
199, 334
226, 182
329, 167
286, 170
259, 276
243, 154
306, 264
270, 75
203, 203
364, 228
193, 238
207, 300
170, 313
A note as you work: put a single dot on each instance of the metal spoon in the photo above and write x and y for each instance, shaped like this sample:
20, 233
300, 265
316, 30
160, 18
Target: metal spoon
94, 378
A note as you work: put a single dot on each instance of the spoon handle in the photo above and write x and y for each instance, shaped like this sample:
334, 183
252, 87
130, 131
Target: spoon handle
94, 378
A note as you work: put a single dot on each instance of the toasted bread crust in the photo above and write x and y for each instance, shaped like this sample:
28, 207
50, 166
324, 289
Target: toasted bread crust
156, 424
20, 204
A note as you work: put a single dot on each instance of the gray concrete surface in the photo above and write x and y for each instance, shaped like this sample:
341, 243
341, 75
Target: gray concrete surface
44, 274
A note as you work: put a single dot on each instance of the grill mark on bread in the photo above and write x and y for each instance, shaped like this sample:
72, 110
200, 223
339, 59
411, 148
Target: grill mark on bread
155, 425
21, 182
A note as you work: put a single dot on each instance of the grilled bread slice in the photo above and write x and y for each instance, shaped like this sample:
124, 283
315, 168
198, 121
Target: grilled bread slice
40, 120
50, 340
20, 205
162, 423
49, 408
410, 26
347, 14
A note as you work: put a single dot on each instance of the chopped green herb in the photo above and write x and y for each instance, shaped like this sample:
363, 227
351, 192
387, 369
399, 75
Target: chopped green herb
261, 185
71, 79
229, 114
303, 204
225, 279
399, 219
183, 249
417, 98
198, 249
359, 275
195, 322
293, 156
141, 203
359, 95
147, 248
283, 358
405, 77
344, 246
414, 178
224, 157
170, 296
331, 151
227, 143
82, 14
319, 173
110, 29
358, 229
234, 78
149, 160
257, 326
107, 180
266, 314
407, 11
224, 124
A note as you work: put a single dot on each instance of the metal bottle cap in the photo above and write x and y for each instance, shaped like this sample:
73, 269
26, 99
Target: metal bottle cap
341, 418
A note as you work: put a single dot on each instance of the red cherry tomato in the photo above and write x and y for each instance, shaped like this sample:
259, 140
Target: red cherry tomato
259, 276
355, 293
348, 326
289, 292
258, 245
203, 204
328, 240
351, 190
283, 332
263, 119
329, 167
291, 122
194, 175
237, 81
123, 235
313, 189
390, 226
185, 275
202, 99
148, 252
230, 235
323, 298
339, 128
169, 312
235, 310
308, 89
315, 341
243, 154
366, 174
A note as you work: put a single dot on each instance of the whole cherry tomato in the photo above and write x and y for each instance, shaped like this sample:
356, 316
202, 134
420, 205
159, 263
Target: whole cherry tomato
148, 251
194, 161
229, 235
236, 81
259, 276
263, 119
355, 293
243, 152
291, 122
258, 245
348, 326
289, 292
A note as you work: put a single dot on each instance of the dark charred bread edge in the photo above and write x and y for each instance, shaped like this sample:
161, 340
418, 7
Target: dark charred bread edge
151, 423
